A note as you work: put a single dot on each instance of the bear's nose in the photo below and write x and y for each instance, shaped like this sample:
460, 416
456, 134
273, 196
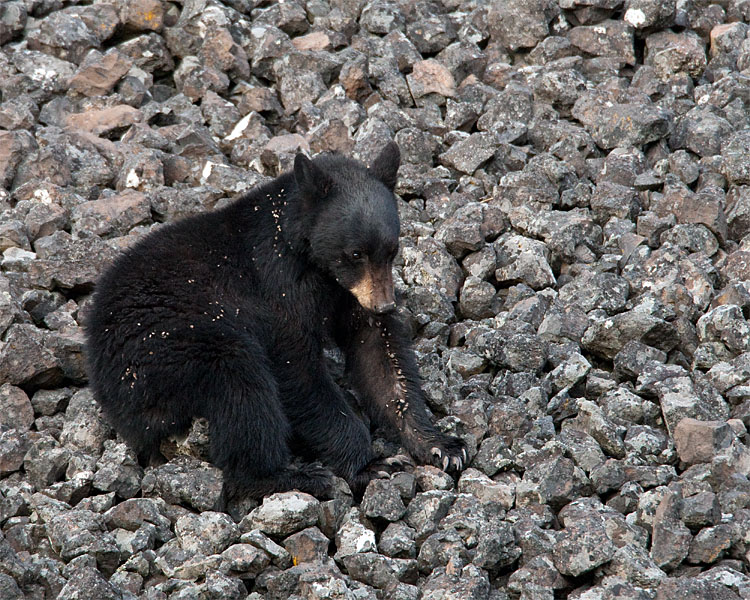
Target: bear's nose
386, 307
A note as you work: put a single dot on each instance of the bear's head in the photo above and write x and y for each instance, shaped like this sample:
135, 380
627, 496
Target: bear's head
352, 224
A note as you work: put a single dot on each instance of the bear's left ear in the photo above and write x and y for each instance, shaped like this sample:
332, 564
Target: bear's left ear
311, 181
385, 166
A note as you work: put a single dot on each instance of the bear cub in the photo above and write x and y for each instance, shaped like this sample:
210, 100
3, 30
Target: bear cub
225, 315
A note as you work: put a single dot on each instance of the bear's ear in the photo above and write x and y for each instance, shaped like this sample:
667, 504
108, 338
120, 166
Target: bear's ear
385, 166
311, 181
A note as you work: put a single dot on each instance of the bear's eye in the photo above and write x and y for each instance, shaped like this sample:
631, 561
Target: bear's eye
357, 255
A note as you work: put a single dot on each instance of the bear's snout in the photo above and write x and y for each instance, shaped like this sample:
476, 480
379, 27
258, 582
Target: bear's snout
374, 291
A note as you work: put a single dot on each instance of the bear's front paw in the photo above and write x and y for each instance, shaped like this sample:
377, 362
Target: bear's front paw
450, 454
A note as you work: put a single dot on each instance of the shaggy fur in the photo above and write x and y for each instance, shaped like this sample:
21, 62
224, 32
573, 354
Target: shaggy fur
225, 315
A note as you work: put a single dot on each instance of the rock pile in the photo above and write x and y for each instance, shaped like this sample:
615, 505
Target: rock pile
575, 265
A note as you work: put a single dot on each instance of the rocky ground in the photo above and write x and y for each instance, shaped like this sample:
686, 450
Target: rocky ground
575, 263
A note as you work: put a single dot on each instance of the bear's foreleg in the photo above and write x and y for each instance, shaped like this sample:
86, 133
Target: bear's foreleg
383, 371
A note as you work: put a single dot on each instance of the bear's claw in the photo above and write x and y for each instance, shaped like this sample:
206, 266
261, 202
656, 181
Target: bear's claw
448, 460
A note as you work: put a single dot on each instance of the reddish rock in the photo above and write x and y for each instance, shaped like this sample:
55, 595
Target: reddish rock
102, 122
700, 441
331, 136
219, 51
608, 38
428, 77
672, 53
99, 74
308, 545
114, 215
143, 15
317, 40
688, 207
353, 77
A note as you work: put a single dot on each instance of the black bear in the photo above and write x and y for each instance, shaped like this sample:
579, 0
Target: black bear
225, 315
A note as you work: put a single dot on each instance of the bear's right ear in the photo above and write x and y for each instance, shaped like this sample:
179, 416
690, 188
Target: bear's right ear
311, 181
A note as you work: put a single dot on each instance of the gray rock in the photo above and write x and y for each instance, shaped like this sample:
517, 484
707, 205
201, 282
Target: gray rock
645, 14
469, 583
520, 259
380, 571
283, 513
555, 481
468, 154
621, 124
520, 24
13, 447
700, 510
428, 264
279, 556
687, 587
426, 510
76, 533
673, 53
398, 540
670, 538
493, 456
634, 564
442, 548
88, 581
496, 548
185, 480
134, 513
244, 560
381, 17
118, 471
459, 231
206, 533
382, 501
45, 462
608, 336
735, 165
476, 299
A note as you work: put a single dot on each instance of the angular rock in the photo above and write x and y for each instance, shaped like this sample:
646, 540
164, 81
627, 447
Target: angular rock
468, 154
77, 532
673, 53
516, 24
283, 513
522, 260
671, 538
106, 120
112, 216
700, 441
206, 533
615, 124
99, 73
24, 359
17, 411
185, 480
430, 77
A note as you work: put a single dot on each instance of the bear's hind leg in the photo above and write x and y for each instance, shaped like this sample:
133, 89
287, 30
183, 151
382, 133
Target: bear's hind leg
325, 425
248, 428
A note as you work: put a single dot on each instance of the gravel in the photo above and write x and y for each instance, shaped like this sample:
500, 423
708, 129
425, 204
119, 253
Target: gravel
575, 204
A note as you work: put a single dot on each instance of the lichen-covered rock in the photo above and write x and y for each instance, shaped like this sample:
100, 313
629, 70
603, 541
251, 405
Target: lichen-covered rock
284, 513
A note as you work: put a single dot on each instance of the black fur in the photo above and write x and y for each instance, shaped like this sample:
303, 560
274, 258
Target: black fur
225, 316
